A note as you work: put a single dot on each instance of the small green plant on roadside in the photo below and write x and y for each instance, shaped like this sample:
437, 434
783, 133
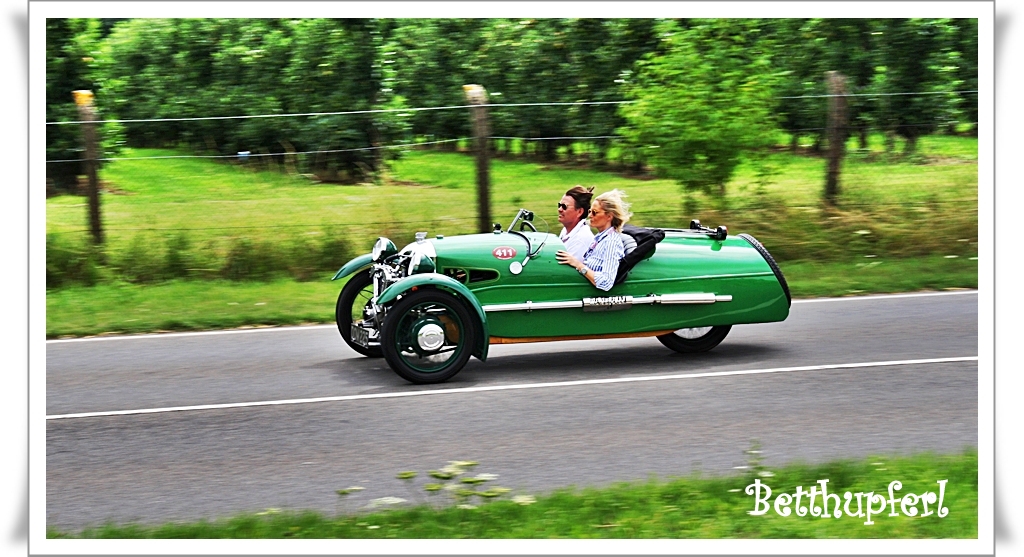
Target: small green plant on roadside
252, 260
335, 249
755, 462
463, 491
69, 262
302, 259
343, 494
178, 259
408, 478
242, 260
766, 170
140, 262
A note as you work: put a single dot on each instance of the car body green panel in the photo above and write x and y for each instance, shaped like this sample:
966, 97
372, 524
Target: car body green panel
683, 263
356, 264
435, 280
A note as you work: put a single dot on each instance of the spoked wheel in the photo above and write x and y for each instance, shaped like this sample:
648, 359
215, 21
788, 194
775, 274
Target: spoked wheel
428, 336
696, 339
351, 308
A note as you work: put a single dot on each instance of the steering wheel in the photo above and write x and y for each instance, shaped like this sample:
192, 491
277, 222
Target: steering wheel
526, 223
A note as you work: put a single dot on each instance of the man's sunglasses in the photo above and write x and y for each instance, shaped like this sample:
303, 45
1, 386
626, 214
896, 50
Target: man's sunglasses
563, 206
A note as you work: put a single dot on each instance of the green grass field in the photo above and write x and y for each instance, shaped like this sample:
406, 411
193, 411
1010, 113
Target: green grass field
435, 191
190, 228
690, 507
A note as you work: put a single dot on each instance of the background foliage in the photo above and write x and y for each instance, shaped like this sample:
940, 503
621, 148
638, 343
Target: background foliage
705, 101
718, 87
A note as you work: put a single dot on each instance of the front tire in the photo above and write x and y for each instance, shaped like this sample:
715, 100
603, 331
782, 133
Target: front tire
428, 336
697, 339
350, 308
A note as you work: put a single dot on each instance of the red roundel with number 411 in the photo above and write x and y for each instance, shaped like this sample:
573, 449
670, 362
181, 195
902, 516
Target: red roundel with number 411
504, 252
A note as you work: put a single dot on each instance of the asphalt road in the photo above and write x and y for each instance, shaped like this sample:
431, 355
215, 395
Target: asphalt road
636, 410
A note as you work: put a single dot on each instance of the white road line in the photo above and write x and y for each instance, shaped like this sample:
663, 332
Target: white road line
313, 327
885, 296
508, 387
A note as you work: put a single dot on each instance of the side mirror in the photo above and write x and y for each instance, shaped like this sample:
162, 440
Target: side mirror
497, 228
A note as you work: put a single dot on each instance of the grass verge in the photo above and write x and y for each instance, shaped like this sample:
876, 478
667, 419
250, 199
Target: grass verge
131, 308
691, 507
197, 219
811, 279
125, 308
238, 243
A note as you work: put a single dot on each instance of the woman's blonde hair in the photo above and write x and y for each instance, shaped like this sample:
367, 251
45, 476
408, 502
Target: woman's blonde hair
612, 201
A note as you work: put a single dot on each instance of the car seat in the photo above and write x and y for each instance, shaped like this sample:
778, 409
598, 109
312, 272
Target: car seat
646, 240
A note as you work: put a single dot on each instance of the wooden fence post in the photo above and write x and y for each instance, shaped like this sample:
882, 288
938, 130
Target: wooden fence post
86, 113
837, 121
477, 96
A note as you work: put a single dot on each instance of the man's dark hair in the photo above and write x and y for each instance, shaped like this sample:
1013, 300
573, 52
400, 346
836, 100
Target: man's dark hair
581, 196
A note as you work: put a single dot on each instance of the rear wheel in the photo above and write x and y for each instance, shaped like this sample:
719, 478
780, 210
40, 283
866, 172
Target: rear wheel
351, 308
428, 336
696, 339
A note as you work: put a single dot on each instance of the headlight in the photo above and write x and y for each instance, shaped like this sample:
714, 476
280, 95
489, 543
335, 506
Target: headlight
383, 248
420, 263
421, 256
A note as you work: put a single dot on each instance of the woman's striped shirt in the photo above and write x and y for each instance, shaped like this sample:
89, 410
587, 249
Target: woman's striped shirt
603, 257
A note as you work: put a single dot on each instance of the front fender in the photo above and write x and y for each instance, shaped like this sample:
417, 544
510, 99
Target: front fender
437, 280
353, 266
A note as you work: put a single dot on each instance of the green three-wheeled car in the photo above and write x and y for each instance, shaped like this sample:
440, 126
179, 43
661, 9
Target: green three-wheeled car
429, 307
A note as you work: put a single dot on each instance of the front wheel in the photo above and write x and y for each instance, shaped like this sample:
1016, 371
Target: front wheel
427, 336
351, 308
696, 339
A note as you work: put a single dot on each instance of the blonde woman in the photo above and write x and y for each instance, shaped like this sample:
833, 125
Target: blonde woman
608, 212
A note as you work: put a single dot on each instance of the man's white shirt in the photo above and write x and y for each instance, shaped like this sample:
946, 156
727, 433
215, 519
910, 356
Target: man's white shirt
578, 241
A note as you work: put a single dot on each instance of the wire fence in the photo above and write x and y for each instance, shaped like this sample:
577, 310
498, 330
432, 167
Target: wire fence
969, 204
343, 113
453, 107
249, 155
245, 155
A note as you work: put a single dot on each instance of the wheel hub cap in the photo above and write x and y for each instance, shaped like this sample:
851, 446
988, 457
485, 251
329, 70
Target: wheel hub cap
693, 333
430, 337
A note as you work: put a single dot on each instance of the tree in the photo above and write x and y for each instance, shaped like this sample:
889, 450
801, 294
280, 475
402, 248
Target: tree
963, 55
805, 50
159, 68
798, 56
335, 65
433, 60
914, 80
602, 50
541, 71
710, 76
705, 103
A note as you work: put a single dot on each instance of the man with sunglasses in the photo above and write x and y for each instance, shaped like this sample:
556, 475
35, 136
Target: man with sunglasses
572, 213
